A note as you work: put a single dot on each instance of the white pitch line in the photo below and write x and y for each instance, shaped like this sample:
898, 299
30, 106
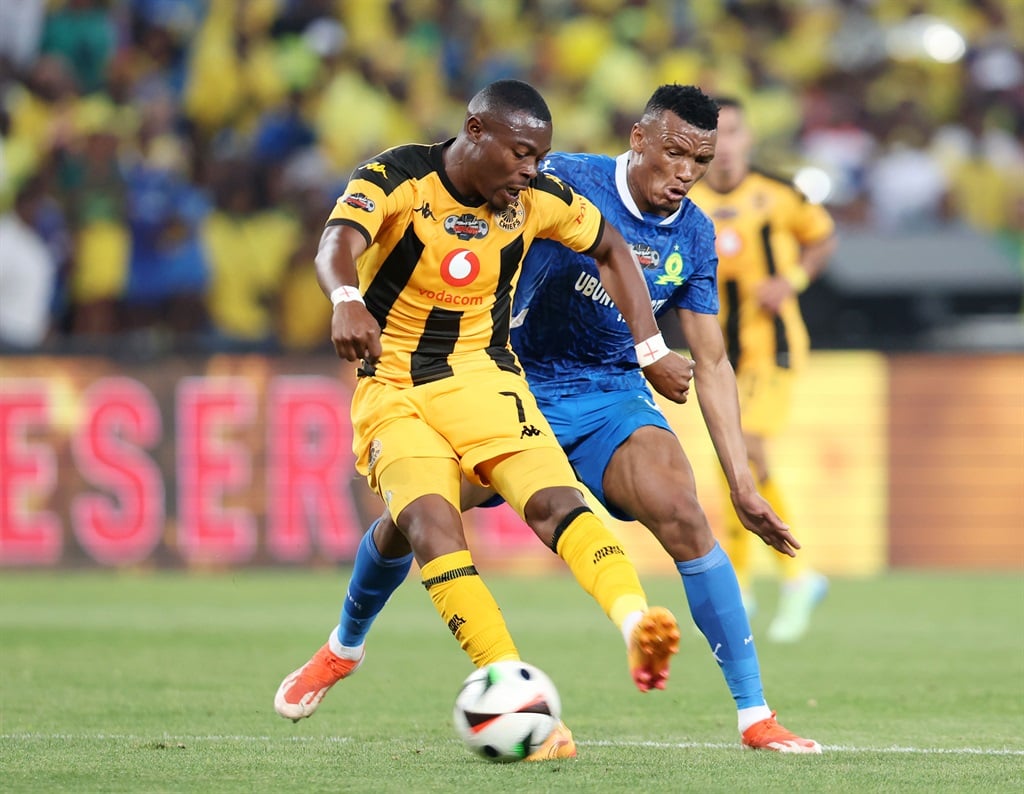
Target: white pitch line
831, 748
166, 737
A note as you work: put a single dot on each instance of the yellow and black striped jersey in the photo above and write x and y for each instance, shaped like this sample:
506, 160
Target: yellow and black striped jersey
760, 226
440, 273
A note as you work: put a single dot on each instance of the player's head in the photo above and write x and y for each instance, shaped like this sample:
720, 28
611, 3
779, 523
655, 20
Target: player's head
506, 133
671, 147
732, 155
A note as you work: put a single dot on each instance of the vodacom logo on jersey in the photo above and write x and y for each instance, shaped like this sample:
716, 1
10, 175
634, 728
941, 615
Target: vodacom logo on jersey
460, 267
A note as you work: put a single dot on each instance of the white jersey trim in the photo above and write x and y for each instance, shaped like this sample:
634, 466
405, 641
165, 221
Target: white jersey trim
621, 164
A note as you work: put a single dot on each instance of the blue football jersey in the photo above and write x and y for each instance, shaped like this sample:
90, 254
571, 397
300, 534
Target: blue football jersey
567, 332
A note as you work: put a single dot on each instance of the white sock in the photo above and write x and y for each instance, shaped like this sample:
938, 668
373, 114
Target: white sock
344, 651
629, 624
749, 716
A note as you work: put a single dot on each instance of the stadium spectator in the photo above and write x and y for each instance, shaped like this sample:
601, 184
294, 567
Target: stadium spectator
248, 244
28, 272
82, 33
168, 273
92, 188
771, 243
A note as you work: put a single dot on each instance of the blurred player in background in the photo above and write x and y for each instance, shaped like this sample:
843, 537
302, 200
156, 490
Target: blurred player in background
582, 366
420, 258
772, 242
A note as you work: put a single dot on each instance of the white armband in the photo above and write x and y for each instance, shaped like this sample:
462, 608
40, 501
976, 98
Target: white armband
345, 293
651, 350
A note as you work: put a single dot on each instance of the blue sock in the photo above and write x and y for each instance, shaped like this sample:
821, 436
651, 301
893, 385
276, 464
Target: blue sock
374, 579
717, 609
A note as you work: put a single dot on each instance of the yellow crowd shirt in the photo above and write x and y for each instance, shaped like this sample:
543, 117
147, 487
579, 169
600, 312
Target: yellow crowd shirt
440, 272
760, 227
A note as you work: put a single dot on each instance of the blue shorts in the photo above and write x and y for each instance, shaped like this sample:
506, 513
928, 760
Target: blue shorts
591, 426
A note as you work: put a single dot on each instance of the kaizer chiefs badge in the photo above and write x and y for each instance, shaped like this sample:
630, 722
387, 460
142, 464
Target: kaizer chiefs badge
512, 217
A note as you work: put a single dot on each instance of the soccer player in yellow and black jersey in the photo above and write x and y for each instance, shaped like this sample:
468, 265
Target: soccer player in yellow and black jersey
421, 257
771, 242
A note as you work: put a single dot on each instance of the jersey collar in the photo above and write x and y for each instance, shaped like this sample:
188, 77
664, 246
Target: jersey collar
621, 163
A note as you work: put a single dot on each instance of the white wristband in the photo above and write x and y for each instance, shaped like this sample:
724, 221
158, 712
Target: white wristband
345, 293
651, 350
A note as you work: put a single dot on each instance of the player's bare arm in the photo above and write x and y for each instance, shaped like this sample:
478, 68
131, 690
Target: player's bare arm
719, 405
354, 331
620, 274
814, 259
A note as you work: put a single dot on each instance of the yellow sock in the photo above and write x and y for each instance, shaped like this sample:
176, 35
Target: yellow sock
789, 567
601, 566
468, 608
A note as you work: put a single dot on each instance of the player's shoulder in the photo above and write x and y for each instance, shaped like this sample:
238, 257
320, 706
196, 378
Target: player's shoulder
551, 184
694, 216
569, 160
578, 168
773, 180
392, 167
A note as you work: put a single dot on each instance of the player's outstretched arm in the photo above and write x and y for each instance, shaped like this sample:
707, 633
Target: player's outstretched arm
621, 276
354, 331
719, 404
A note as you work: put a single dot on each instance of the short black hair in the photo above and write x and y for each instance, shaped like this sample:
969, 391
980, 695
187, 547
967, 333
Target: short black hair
507, 97
687, 101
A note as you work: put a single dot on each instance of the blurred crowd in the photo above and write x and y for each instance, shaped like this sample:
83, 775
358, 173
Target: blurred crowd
166, 166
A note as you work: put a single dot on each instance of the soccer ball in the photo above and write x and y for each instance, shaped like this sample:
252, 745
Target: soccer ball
506, 710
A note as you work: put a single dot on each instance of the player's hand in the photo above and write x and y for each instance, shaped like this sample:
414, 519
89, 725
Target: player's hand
356, 335
758, 516
670, 376
772, 292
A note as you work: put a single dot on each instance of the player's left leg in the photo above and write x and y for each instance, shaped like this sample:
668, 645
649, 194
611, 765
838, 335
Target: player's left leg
561, 518
650, 478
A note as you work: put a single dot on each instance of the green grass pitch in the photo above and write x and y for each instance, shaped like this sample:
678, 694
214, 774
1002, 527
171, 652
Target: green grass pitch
164, 682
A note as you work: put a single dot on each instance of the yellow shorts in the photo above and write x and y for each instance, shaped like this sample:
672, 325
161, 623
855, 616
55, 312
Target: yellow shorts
471, 420
765, 398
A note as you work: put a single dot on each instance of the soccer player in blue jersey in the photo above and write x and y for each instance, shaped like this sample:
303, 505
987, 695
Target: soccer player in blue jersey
585, 372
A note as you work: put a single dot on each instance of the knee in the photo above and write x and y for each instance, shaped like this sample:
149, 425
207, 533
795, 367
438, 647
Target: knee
388, 538
432, 527
684, 531
547, 508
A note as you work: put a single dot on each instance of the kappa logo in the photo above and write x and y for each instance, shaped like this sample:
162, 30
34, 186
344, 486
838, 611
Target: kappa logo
646, 256
377, 168
460, 267
512, 217
425, 211
529, 431
360, 201
466, 226
673, 274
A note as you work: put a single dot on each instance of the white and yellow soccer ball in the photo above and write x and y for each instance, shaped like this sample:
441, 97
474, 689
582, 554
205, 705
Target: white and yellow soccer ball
506, 710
